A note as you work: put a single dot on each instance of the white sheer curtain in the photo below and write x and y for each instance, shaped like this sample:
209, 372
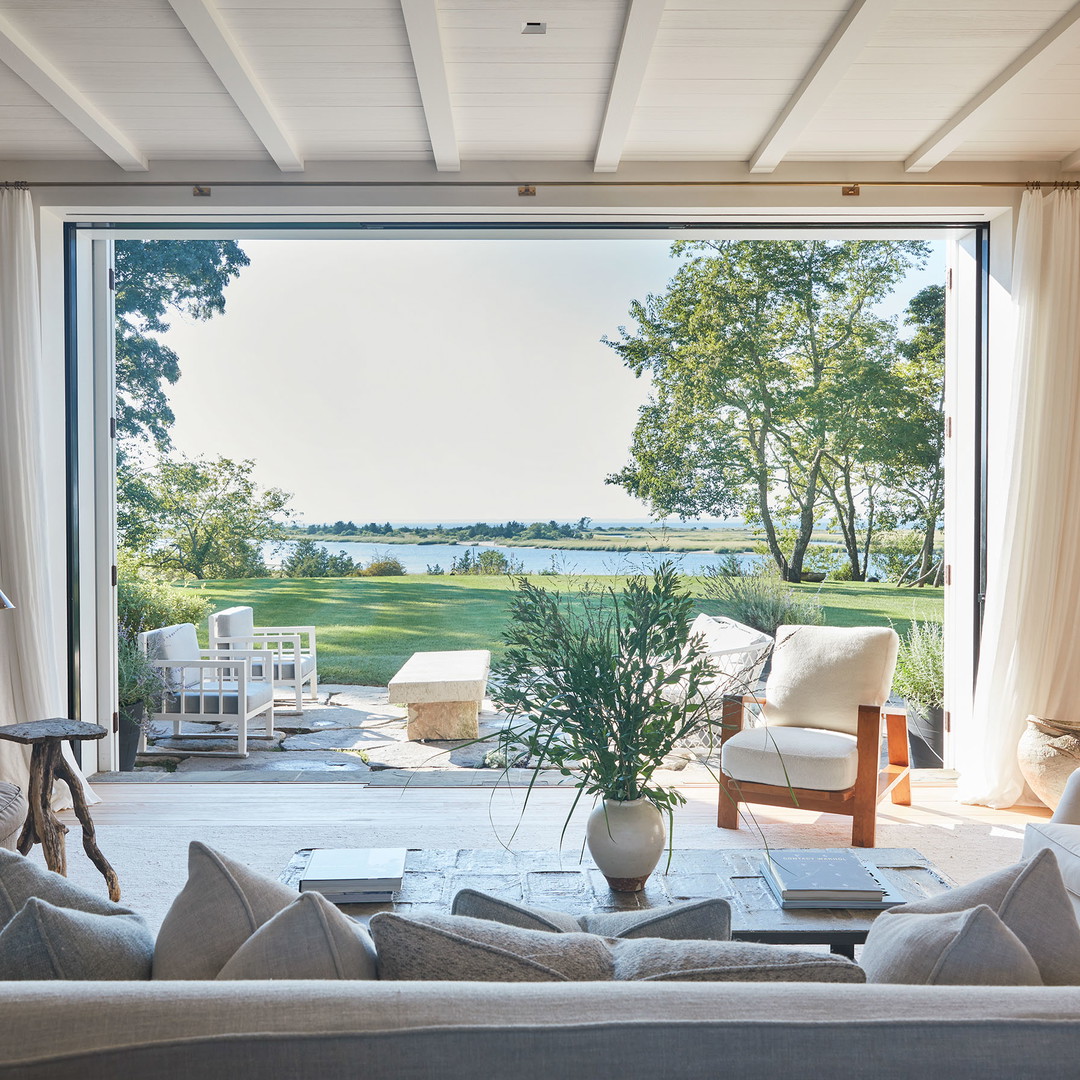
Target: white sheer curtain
31, 684
1030, 656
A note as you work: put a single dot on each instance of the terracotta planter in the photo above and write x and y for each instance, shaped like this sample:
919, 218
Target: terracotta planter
1048, 754
626, 840
130, 717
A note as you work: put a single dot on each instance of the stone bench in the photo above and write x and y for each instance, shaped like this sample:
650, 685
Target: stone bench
443, 691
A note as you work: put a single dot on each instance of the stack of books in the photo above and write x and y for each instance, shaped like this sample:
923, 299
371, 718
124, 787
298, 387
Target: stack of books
354, 875
824, 879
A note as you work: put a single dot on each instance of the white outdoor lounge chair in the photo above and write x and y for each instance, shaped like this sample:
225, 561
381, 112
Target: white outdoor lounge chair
207, 686
291, 649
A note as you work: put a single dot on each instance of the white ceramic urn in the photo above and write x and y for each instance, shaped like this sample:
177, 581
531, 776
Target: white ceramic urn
626, 840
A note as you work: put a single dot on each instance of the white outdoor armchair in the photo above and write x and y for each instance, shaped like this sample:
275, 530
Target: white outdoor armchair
289, 650
207, 686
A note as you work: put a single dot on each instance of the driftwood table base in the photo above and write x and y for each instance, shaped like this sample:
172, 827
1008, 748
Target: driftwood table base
47, 764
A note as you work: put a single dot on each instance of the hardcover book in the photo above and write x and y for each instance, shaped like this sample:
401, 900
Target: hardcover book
353, 871
820, 875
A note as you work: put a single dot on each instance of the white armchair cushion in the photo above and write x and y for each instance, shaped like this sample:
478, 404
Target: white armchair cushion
799, 757
236, 622
179, 642
285, 670
822, 674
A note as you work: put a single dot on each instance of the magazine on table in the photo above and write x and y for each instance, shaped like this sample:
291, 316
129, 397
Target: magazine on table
810, 878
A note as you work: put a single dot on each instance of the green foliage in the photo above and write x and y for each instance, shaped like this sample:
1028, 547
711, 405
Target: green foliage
307, 558
145, 603
590, 675
485, 561
140, 682
383, 566
920, 666
897, 552
434, 570
208, 518
761, 600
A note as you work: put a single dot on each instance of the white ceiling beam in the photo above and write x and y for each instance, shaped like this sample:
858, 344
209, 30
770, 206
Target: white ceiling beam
215, 41
38, 72
1054, 47
639, 34
847, 41
425, 42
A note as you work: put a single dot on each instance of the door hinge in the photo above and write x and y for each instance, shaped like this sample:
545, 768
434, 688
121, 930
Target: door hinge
948, 721
114, 575
948, 574
948, 427
112, 427
115, 722
112, 279
948, 278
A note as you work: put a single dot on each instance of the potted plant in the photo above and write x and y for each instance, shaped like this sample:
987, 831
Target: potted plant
140, 685
920, 681
587, 673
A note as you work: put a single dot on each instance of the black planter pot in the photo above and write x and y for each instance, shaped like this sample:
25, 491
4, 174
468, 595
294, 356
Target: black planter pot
130, 717
926, 737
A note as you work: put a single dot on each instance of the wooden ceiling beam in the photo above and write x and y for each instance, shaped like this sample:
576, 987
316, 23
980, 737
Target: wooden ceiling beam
42, 75
1054, 47
215, 41
639, 34
848, 40
425, 43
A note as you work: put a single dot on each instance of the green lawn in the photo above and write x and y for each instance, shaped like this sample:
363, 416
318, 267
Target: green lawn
369, 627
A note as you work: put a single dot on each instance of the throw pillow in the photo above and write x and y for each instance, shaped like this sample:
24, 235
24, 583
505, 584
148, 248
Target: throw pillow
220, 907
957, 948
22, 878
474, 950
1031, 900
700, 920
47, 942
652, 960
310, 939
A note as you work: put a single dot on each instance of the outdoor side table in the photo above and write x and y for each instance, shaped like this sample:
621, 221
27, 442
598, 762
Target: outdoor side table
47, 764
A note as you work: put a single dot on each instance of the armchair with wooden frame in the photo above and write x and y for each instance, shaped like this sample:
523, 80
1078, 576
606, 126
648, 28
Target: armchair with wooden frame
818, 744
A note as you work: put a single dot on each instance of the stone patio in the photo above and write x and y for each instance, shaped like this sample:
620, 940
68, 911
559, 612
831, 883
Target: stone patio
352, 735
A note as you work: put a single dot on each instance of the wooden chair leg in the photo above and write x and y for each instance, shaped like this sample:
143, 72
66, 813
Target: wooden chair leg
864, 808
727, 811
896, 738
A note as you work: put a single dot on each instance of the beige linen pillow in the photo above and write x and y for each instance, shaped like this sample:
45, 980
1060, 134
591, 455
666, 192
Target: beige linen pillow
702, 920
655, 960
220, 907
1031, 900
474, 950
21, 878
956, 948
47, 942
310, 939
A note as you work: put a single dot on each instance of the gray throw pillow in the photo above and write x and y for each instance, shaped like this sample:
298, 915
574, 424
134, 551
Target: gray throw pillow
698, 920
47, 942
22, 878
653, 960
459, 949
220, 907
310, 939
955, 948
1030, 899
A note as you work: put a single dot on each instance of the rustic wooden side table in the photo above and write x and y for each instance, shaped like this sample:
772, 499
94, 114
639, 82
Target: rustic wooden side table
47, 764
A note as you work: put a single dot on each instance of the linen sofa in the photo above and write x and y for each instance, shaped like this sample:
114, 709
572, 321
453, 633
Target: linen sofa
529, 1031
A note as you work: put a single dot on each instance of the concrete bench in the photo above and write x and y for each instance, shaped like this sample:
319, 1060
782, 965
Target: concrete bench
443, 691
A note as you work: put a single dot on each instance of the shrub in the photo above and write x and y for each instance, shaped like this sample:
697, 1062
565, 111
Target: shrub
920, 666
144, 602
488, 561
383, 566
436, 569
760, 600
306, 559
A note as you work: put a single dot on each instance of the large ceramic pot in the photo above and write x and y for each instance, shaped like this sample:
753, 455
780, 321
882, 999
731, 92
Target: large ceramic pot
626, 840
1048, 754
926, 737
130, 719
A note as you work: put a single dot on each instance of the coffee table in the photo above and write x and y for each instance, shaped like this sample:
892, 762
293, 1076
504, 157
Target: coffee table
546, 879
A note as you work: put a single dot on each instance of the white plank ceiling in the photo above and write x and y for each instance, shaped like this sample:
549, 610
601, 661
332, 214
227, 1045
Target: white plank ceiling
917, 82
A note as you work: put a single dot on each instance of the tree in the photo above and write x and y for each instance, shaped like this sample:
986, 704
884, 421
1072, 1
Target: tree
209, 519
764, 356
154, 277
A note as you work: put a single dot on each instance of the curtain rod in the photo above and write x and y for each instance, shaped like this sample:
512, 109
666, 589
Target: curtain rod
852, 187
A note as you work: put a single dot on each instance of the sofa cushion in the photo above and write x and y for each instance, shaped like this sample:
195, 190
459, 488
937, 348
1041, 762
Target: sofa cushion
706, 920
653, 960
1063, 840
310, 939
1030, 899
12, 813
456, 948
22, 879
792, 756
957, 948
222, 904
47, 942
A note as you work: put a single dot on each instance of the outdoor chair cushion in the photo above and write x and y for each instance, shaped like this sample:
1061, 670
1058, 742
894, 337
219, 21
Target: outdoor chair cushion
821, 675
218, 702
179, 642
458, 949
12, 814
955, 948
235, 622
222, 904
310, 939
792, 756
704, 920
1030, 899
285, 670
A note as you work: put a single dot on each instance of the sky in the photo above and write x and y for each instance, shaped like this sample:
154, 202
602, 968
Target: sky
429, 380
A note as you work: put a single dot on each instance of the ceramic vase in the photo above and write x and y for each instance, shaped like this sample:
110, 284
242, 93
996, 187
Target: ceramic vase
626, 840
1048, 754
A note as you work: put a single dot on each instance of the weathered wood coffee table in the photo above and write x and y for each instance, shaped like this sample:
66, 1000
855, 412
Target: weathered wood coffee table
443, 691
542, 879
